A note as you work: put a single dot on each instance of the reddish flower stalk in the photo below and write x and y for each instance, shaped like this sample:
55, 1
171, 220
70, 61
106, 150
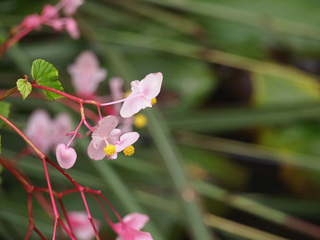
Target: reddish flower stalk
31, 189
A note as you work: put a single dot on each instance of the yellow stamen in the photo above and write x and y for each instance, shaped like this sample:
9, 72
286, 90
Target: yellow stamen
140, 120
110, 150
127, 93
129, 151
153, 101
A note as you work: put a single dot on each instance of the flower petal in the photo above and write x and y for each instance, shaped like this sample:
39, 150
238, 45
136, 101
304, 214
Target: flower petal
114, 136
81, 225
105, 126
133, 104
136, 220
96, 153
66, 157
150, 86
72, 28
126, 140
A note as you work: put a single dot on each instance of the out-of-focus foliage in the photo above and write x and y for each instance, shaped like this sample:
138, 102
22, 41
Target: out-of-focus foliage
236, 126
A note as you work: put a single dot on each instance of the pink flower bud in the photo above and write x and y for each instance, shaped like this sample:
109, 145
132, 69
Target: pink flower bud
66, 157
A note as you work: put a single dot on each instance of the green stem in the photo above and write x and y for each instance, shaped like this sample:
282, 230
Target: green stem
172, 159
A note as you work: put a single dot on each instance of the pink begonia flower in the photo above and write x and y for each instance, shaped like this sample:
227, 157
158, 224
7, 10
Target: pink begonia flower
81, 225
45, 132
70, 6
86, 73
129, 229
106, 134
72, 28
66, 157
39, 130
142, 94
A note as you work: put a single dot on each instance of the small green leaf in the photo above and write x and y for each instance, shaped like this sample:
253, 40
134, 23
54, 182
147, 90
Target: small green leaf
24, 87
0, 151
4, 110
46, 75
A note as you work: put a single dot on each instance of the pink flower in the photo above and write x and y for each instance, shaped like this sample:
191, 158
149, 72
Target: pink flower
39, 130
81, 225
70, 6
45, 132
86, 74
72, 28
66, 157
107, 140
129, 229
142, 94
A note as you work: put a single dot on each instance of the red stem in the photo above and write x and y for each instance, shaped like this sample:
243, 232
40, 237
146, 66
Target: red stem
89, 215
69, 96
13, 40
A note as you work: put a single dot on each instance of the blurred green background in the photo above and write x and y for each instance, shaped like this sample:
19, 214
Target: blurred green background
231, 150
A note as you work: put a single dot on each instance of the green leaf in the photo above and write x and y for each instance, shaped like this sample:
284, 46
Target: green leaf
24, 87
46, 75
285, 90
4, 110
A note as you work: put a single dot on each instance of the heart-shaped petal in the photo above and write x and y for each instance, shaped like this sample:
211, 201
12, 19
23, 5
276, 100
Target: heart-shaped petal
66, 157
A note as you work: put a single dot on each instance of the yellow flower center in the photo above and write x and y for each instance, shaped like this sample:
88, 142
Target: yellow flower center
110, 150
129, 151
140, 120
153, 101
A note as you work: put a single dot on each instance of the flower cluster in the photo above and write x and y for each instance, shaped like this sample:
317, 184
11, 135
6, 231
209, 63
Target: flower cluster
110, 136
109, 139
50, 17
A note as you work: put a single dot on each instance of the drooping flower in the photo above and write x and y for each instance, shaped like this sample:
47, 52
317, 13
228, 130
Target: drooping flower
81, 225
86, 74
129, 228
143, 92
107, 139
66, 156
